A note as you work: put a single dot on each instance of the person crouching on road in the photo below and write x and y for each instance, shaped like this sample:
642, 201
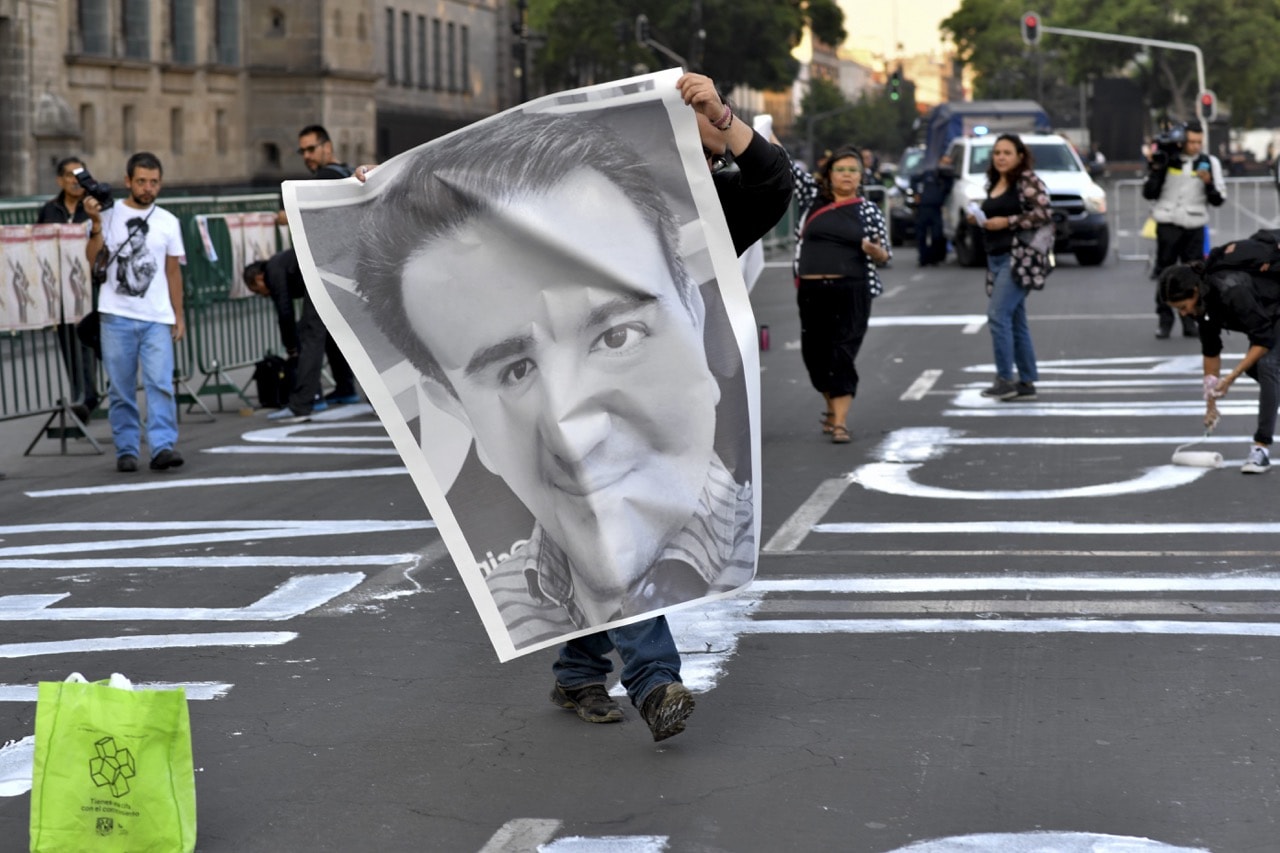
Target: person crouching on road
1225, 293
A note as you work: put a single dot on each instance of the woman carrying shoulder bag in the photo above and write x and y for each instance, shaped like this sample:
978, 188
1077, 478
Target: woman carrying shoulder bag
1018, 236
843, 239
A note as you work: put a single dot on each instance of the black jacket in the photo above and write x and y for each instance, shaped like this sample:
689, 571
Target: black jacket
284, 282
1240, 301
756, 194
54, 211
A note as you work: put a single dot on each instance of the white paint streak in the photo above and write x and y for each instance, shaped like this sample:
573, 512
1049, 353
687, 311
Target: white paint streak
1075, 528
895, 479
974, 328
921, 386
158, 484
142, 642
292, 598
1010, 626
1024, 583
195, 690
807, 515
607, 844
238, 532
15, 766
930, 320
1043, 842
304, 450
521, 835
215, 562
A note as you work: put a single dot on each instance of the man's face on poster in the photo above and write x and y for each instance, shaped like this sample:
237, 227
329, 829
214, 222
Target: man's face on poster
581, 373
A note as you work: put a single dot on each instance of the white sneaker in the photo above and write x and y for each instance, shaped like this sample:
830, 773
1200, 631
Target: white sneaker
1259, 461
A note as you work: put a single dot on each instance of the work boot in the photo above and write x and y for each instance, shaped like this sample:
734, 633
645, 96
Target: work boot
666, 708
166, 459
592, 703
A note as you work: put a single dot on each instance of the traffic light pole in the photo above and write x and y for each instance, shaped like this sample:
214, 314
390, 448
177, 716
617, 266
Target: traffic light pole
1171, 45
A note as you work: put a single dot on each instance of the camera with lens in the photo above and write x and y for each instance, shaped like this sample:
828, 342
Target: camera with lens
1169, 144
99, 191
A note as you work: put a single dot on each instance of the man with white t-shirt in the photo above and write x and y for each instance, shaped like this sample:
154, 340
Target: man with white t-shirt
140, 313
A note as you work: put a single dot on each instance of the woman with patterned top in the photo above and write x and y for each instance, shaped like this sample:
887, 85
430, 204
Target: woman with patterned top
1018, 236
842, 239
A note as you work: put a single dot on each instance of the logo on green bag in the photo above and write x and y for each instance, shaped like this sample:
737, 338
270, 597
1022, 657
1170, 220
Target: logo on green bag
113, 768
106, 826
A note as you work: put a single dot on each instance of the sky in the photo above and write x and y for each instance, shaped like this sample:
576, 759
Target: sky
876, 25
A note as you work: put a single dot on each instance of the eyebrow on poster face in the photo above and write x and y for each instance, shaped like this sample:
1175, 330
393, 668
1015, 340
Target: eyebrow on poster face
520, 345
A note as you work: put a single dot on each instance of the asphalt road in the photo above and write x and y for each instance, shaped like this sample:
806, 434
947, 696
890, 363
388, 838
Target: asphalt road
977, 618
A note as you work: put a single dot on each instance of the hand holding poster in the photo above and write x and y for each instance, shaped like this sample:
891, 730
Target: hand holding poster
546, 310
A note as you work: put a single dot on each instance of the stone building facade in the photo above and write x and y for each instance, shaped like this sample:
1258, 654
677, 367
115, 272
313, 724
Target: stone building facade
218, 89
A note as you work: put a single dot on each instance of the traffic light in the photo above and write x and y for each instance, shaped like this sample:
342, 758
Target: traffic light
1031, 28
895, 85
642, 29
1208, 104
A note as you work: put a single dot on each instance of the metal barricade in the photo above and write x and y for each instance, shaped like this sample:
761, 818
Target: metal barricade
1251, 204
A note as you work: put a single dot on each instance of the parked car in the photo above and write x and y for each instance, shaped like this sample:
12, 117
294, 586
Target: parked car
1079, 204
902, 206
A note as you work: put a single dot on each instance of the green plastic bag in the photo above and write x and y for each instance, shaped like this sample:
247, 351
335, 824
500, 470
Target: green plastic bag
112, 770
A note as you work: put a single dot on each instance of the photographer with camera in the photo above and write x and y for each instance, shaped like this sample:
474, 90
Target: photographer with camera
67, 207
140, 308
1183, 181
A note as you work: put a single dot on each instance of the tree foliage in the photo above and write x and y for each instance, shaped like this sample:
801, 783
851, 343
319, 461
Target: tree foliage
746, 41
828, 120
1239, 41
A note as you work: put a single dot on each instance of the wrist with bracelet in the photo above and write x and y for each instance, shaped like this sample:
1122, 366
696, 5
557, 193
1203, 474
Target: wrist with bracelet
725, 120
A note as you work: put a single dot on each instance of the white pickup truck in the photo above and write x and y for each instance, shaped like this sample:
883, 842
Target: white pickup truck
1079, 204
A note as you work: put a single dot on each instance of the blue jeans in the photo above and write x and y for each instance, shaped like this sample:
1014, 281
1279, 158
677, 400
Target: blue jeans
1007, 317
647, 649
128, 344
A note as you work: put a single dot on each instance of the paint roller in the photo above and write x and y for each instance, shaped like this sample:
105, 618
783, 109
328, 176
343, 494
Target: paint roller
1200, 458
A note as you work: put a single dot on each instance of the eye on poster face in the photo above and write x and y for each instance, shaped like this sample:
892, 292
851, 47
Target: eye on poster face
547, 313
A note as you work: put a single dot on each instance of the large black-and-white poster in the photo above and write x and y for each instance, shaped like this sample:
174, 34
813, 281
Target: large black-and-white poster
547, 313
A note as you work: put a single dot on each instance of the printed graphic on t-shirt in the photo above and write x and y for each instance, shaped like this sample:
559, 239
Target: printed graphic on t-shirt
135, 267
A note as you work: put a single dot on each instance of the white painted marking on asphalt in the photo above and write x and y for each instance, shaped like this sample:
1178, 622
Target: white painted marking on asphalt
974, 328
895, 479
142, 642
240, 532
521, 835
159, 483
1054, 528
295, 596
921, 386
1011, 626
1024, 583
894, 291
988, 608
195, 690
1042, 841
305, 433
607, 844
795, 528
929, 320
16, 759
215, 562
303, 450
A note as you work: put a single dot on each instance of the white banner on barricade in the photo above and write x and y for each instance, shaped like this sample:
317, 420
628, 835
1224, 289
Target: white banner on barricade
547, 312
77, 293
44, 242
20, 307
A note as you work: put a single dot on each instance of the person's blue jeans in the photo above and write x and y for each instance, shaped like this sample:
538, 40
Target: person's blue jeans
647, 649
1007, 318
128, 344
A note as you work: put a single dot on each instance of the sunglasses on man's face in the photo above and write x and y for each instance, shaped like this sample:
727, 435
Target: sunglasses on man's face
714, 160
309, 149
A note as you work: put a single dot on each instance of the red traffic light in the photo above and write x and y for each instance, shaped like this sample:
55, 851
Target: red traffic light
1031, 28
1208, 103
